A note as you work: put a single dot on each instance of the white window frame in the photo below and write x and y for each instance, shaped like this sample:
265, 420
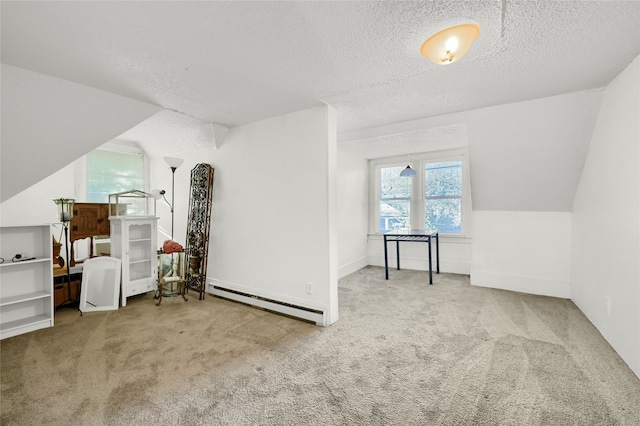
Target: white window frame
418, 163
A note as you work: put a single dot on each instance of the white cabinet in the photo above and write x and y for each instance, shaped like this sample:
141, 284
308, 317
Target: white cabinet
133, 240
26, 287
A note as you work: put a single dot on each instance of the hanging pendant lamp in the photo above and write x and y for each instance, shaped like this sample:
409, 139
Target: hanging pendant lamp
408, 172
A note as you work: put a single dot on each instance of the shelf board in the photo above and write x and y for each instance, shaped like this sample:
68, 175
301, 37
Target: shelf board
11, 325
132, 262
9, 263
139, 240
4, 301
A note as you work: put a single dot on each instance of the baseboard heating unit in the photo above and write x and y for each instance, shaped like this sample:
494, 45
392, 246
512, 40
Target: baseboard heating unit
301, 312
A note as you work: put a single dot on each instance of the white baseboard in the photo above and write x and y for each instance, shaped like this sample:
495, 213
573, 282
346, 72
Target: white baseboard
272, 302
352, 267
543, 287
420, 264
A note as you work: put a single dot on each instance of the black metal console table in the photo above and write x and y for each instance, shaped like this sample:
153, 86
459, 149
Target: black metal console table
412, 235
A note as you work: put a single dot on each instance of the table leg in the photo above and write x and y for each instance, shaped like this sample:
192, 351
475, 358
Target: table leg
398, 254
438, 253
386, 262
430, 270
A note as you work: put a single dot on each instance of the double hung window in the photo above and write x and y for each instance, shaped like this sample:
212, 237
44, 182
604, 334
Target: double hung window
437, 198
395, 199
443, 196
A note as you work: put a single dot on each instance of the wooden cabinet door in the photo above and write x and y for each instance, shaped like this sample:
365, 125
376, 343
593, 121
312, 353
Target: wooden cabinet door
89, 220
103, 220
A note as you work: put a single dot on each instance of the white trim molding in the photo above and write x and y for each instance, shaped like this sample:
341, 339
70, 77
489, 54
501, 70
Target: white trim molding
352, 266
531, 285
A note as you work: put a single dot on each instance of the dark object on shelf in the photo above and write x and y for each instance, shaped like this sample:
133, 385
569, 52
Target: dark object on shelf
57, 259
198, 224
21, 258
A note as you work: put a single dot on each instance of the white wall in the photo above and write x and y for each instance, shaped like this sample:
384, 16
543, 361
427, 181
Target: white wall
526, 160
353, 213
47, 123
273, 227
605, 261
522, 251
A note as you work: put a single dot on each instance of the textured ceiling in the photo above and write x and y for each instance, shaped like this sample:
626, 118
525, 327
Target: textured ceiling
232, 63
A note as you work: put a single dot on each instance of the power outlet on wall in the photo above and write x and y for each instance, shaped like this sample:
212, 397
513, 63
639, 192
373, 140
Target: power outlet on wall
607, 305
309, 288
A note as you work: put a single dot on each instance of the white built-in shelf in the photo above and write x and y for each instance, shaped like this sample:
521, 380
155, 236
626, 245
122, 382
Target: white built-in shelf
26, 286
140, 240
28, 322
27, 297
8, 264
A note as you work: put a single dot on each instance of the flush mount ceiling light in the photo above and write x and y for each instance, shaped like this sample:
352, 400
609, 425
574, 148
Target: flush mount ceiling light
450, 44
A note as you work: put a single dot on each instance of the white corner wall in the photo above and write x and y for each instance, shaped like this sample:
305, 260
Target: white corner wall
274, 210
526, 160
605, 261
353, 213
527, 252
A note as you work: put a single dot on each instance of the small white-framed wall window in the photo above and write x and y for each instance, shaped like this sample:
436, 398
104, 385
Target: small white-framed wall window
109, 169
437, 198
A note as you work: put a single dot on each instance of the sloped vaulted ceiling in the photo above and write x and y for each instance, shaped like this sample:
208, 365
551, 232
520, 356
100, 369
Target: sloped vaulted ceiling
528, 156
47, 123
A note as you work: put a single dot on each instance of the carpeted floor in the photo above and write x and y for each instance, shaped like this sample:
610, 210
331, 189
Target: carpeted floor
402, 353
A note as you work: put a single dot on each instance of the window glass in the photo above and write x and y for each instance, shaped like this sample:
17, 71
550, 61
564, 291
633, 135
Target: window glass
443, 196
110, 172
395, 199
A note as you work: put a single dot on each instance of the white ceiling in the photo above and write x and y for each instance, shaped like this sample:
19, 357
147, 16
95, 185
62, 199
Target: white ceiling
233, 63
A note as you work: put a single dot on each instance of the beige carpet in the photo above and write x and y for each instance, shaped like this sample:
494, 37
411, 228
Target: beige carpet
402, 353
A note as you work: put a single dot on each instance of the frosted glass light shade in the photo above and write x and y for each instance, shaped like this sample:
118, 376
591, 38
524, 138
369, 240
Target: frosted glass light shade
408, 172
157, 193
174, 162
450, 44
